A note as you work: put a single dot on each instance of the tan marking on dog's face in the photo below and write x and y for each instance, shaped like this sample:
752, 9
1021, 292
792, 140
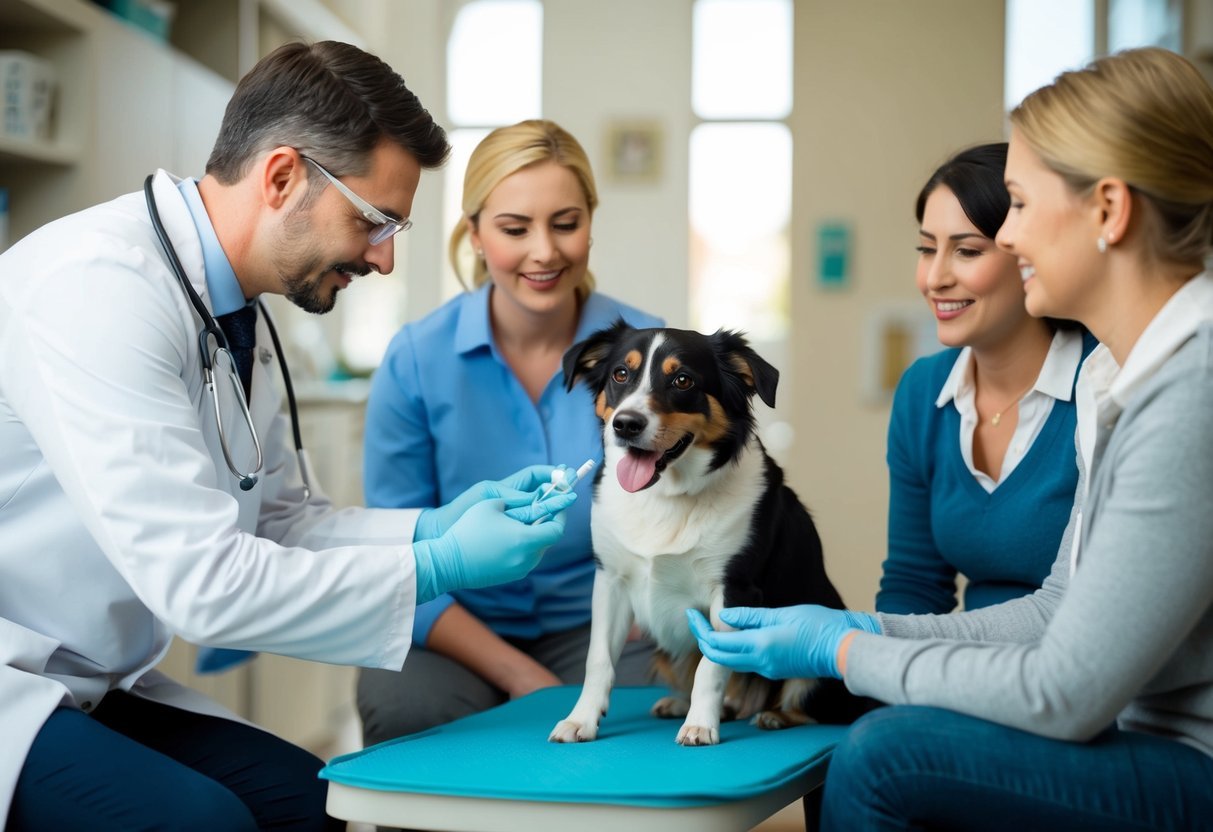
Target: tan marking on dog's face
706, 430
677, 425
671, 365
633, 359
717, 424
601, 408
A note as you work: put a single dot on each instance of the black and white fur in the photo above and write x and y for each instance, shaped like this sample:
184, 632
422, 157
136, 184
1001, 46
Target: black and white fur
713, 526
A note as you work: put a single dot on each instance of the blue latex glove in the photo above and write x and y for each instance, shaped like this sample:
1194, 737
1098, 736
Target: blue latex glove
435, 522
494, 542
782, 643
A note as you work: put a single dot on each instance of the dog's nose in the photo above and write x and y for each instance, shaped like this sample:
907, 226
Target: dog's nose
628, 424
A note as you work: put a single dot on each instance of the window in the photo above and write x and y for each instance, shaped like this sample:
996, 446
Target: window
487, 35
1047, 37
1143, 23
740, 196
740, 202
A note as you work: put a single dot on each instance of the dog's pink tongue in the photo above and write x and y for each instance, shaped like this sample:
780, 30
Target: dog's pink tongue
635, 471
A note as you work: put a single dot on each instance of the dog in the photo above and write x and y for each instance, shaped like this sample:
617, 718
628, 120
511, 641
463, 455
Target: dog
689, 511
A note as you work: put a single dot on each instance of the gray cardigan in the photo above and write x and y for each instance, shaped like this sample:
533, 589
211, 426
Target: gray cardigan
1130, 636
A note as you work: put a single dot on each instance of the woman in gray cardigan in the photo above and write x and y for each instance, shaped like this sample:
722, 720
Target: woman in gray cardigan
1089, 704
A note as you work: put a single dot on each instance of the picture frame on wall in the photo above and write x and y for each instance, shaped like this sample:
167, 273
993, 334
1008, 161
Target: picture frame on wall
634, 151
895, 335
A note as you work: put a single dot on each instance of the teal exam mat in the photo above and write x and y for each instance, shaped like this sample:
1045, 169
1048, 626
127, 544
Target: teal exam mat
504, 753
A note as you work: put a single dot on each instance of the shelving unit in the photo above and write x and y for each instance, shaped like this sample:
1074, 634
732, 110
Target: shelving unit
229, 36
126, 102
41, 176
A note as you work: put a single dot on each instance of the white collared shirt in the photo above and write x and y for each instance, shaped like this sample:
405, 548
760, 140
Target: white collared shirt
1055, 383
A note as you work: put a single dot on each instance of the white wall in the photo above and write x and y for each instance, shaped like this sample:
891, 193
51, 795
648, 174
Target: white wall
628, 60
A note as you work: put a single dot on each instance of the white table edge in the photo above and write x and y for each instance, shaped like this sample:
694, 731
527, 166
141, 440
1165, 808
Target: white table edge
452, 813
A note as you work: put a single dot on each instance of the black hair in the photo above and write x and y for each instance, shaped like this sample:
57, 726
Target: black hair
331, 101
975, 176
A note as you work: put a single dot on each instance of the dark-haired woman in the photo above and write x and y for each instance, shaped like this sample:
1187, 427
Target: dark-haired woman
981, 436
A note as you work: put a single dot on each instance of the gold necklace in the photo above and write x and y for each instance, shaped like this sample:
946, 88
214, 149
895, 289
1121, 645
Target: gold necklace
997, 417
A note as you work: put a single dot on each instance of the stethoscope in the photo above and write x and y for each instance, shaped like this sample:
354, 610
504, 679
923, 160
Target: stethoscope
212, 330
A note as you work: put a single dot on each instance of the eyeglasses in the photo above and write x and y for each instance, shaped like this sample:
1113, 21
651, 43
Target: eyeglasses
384, 227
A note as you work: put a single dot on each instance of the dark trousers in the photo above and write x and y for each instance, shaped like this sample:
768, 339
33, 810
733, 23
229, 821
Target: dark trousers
134, 764
917, 768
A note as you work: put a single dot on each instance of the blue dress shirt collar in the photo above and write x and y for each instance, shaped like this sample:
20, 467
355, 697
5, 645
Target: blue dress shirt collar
474, 329
221, 283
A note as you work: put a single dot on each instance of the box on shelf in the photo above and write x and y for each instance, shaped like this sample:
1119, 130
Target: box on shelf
27, 83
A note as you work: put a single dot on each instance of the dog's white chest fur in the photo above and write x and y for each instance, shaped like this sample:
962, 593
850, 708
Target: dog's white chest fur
671, 543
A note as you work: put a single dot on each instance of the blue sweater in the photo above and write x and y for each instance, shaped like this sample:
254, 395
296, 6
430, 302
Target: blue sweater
942, 522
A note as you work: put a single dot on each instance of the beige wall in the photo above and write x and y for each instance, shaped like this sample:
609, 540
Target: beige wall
884, 90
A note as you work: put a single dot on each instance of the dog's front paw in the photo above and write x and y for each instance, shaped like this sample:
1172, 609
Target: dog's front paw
671, 707
697, 735
567, 730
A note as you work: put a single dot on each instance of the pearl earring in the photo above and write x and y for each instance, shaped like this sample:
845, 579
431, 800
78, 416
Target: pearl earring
1102, 245
480, 253
591, 243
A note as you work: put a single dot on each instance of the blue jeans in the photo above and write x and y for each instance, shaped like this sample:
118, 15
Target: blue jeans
136, 764
916, 768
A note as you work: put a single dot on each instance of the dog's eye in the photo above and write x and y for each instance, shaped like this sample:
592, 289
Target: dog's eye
682, 382
620, 375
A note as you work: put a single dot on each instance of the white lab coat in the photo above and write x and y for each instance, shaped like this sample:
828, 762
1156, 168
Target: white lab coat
120, 523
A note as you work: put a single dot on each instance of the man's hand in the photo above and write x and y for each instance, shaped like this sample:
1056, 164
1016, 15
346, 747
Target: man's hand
488, 545
435, 522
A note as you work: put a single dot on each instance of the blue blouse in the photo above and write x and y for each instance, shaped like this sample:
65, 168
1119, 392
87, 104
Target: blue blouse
446, 411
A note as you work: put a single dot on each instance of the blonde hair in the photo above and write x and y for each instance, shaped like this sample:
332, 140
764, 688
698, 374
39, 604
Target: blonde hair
504, 152
1144, 116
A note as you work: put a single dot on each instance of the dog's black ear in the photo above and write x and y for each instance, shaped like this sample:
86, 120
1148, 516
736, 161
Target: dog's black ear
759, 376
583, 359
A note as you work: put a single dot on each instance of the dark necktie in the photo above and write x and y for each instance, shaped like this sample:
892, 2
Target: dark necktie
240, 327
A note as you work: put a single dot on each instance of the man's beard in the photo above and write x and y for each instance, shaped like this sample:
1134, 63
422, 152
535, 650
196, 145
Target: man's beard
303, 278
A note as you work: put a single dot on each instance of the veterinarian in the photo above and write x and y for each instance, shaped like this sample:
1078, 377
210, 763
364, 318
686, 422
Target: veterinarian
1089, 704
487, 364
128, 513
984, 429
